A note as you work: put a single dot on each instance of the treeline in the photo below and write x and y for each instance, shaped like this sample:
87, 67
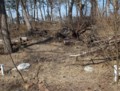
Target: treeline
50, 10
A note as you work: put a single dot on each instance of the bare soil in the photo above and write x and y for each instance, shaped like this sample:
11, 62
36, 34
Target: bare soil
51, 64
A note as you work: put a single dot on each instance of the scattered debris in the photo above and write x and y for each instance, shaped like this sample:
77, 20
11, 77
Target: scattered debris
24, 41
68, 41
22, 66
88, 69
64, 33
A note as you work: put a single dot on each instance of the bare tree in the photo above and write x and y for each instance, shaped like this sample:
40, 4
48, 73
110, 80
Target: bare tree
59, 8
40, 7
116, 6
17, 13
70, 11
51, 9
35, 1
4, 29
80, 7
29, 27
48, 11
94, 8
107, 7
43, 6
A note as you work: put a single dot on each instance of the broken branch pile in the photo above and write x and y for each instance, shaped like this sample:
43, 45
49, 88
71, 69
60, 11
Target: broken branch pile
102, 44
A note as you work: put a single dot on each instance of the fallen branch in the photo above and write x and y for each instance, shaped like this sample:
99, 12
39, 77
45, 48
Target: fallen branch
106, 43
93, 50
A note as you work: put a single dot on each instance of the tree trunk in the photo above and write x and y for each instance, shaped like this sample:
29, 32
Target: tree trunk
23, 21
4, 29
107, 7
11, 20
51, 16
66, 12
48, 11
94, 7
27, 8
40, 6
44, 9
31, 10
59, 10
34, 10
86, 8
103, 4
37, 13
103, 8
29, 27
70, 11
51, 9
116, 6
77, 11
81, 7
17, 13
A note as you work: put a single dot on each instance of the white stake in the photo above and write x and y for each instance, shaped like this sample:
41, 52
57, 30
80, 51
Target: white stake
2, 69
115, 73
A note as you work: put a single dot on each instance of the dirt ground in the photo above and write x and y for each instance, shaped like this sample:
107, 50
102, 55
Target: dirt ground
53, 69
51, 64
